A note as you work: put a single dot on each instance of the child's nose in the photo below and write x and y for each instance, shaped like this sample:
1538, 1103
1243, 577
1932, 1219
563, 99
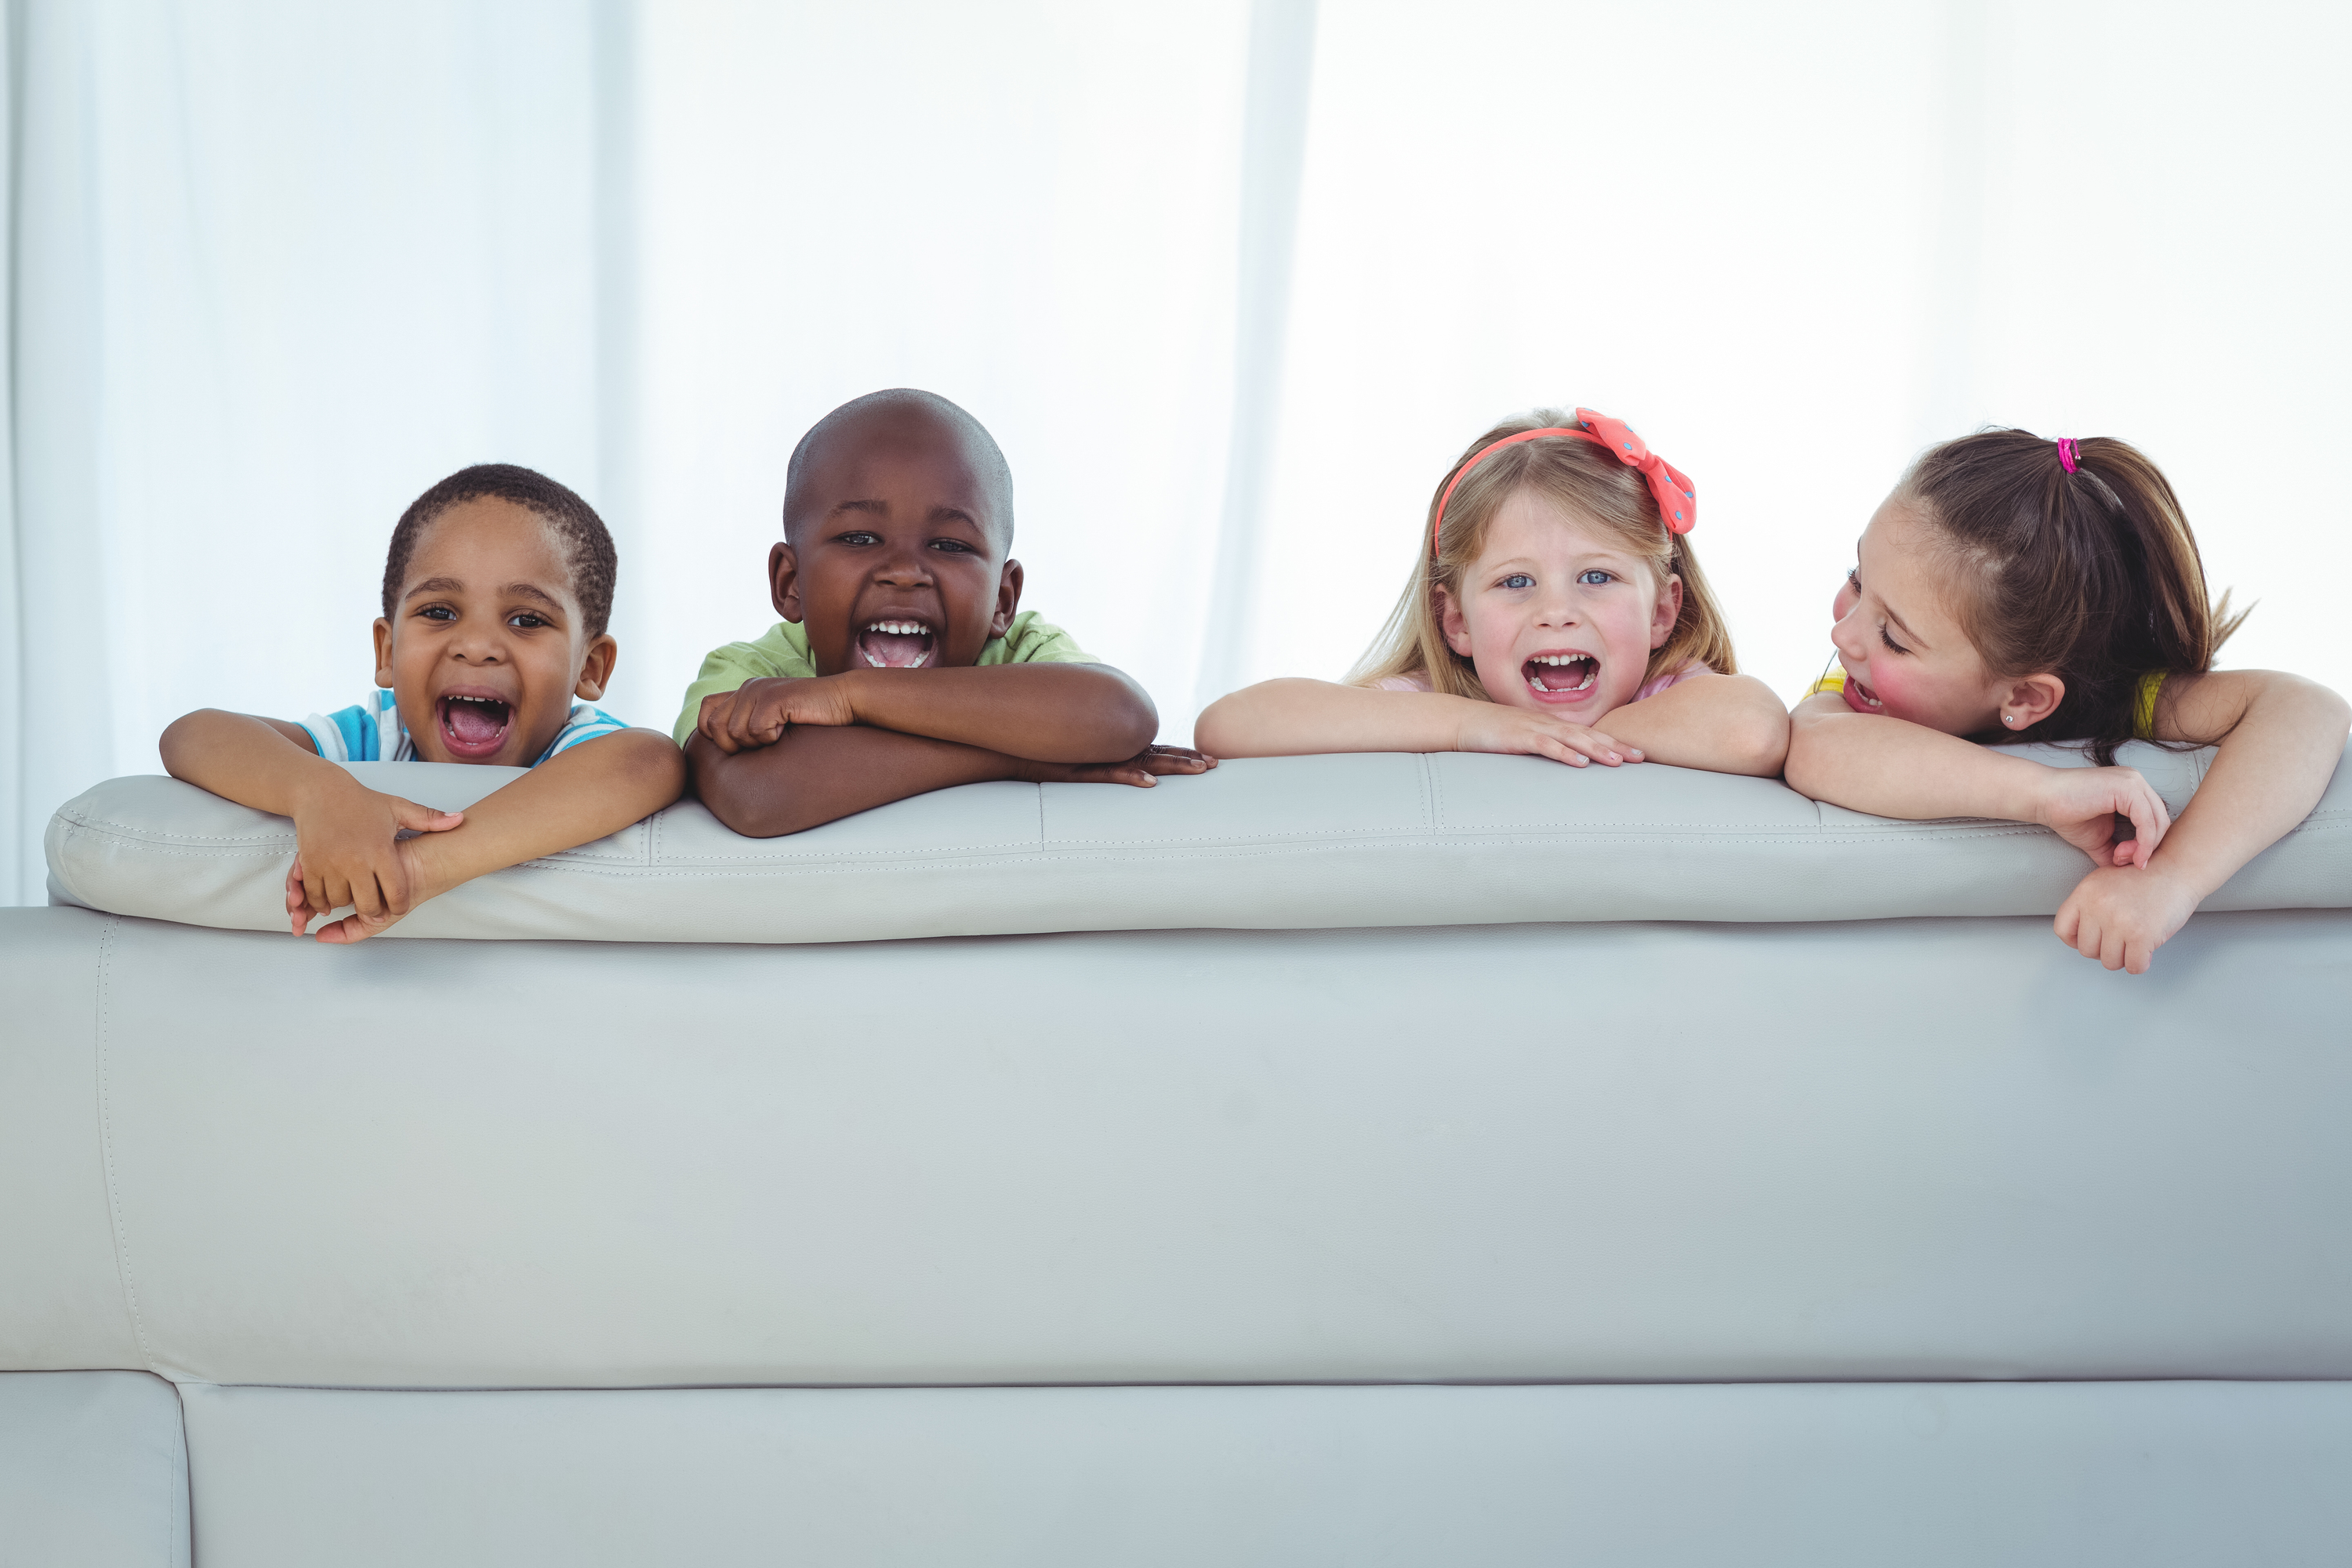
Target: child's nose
476, 644
904, 568
1845, 635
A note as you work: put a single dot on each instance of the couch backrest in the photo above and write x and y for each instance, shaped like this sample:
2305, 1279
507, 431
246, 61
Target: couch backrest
1378, 839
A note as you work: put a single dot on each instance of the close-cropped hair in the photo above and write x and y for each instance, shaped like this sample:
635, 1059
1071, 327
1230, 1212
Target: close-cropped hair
2093, 575
588, 549
995, 473
1589, 483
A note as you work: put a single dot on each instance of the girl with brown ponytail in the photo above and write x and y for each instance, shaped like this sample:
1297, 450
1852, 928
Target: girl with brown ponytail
2018, 589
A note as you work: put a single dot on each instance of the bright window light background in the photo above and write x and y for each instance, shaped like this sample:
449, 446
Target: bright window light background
1231, 285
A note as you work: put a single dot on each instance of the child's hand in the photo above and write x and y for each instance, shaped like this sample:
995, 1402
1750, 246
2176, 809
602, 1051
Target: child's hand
1145, 768
348, 851
758, 713
1495, 727
2121, 914
2081, 804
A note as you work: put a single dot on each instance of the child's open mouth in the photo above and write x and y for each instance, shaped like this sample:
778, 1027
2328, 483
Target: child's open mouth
895, 645
474, 726
1861, 697
1560, 675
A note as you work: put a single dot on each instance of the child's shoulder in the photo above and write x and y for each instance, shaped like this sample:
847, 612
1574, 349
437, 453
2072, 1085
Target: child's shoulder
1032, 639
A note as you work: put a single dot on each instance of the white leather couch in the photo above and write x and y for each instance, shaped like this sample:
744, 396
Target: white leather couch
1327, 1160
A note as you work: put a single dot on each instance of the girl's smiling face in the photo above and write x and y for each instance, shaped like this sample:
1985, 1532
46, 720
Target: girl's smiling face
1555, 615
1904, 654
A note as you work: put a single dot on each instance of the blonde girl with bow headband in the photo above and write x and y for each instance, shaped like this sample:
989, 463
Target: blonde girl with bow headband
2013, 588
1556, 610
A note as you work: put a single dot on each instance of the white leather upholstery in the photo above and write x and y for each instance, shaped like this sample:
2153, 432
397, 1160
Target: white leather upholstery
1271, 843
61, 1298
2064, 1476
93, 1471
1890, 1148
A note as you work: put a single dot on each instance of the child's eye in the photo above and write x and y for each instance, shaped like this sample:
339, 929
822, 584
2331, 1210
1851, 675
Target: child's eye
1595, 576
952, 546
438, 613
858, 536
1892, 645
527, 620
1517, 580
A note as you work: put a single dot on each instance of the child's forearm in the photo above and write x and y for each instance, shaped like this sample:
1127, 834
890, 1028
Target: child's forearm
1891, 767
254, 761
1294, 717
591, 792
1726, 723
1049, 712
2282, 738
817, 774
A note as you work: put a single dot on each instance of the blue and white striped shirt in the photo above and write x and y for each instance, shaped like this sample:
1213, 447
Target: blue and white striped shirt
371, 732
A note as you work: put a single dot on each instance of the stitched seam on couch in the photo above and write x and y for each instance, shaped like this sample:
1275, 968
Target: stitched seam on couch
735, 869
143, 835
1946, 830
106, 1138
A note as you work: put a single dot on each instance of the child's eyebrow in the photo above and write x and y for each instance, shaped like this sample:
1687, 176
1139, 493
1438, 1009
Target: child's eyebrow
533, 590
451, 585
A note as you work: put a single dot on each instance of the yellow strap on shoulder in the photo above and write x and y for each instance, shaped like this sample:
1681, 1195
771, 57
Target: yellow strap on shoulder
2144, 705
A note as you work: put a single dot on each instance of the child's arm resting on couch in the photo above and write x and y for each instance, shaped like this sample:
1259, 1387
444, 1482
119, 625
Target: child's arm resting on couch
348, 849
776, 756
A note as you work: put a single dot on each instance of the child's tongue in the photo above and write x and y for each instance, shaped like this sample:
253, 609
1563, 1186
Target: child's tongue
475, 723
894, 650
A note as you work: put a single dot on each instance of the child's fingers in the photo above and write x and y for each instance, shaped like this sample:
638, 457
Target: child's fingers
351, 929
1559, 750
363, 896
318, 890
423, 818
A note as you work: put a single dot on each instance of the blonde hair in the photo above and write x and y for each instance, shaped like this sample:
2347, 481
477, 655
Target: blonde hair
1588, 480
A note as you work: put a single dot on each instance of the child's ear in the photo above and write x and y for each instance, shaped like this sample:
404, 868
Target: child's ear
1453, 622
784, 582
382, 652
2028, 700
596, 669
1008, 598
1669, 611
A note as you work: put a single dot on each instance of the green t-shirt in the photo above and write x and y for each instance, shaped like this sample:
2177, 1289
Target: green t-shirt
784, 652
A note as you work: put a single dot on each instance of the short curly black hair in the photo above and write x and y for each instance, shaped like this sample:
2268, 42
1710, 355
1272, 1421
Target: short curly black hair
587, 544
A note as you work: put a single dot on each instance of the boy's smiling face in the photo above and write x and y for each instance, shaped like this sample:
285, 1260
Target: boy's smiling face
895, 557
487, 646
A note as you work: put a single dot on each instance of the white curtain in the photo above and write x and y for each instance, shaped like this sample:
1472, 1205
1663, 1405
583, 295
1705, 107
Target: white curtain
1231, 282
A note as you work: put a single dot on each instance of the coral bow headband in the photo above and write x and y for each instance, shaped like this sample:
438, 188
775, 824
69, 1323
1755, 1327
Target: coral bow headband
1676, 496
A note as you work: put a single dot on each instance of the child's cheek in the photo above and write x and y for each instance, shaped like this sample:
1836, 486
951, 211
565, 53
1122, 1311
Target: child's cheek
1897, 687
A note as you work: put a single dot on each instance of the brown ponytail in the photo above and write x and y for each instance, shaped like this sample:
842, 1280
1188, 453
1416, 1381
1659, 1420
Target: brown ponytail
2092, 575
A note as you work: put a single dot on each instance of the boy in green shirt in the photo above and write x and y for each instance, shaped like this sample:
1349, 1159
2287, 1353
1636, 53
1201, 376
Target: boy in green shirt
904, 662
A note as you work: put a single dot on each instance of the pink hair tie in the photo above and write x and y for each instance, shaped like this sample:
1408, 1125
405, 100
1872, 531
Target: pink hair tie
2069, 454
1676, 496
